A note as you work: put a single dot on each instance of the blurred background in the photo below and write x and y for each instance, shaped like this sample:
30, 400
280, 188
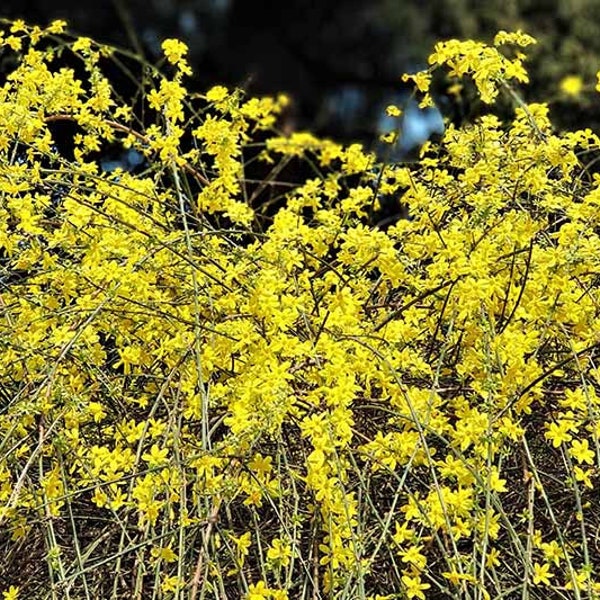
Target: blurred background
341, 60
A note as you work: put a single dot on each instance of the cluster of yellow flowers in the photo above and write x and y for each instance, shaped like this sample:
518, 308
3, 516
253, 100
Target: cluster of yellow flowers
213, 400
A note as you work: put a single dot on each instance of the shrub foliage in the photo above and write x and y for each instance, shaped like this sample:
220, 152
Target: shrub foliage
220, 387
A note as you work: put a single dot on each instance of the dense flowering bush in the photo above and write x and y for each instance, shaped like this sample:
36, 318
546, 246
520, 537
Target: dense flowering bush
213, 390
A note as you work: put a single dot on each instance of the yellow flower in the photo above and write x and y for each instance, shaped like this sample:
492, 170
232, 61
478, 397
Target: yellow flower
97, 411
455, 89
217, 93
541, 574
83, 45
11, 594
413, 556
579, 580
455, 577
279, 552
57, 26
163, 553
18, 26
170, 584
571, 85
414, 587
389, 138
518, 37
495, 482
580, 450
258, 591
403, 533
156, 457
422, 80
558, 433
492, 559
552, 551
243, 544
583, 475
174, 50
261, 465
14, 42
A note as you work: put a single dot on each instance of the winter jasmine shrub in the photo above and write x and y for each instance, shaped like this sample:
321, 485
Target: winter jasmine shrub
203, 398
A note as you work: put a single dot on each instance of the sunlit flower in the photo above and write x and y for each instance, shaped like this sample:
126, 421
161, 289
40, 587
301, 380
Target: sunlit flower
571, 85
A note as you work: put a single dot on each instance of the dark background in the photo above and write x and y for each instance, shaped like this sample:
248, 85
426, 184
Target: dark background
341, 60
